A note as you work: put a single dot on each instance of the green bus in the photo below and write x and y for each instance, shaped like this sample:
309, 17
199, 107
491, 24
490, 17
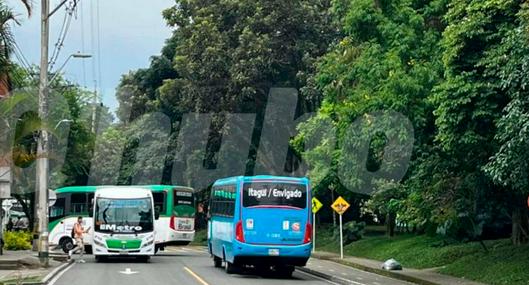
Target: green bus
176, 205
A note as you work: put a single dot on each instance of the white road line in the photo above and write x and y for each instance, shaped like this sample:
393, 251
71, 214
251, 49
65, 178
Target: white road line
52, 281
316, 277
355, 269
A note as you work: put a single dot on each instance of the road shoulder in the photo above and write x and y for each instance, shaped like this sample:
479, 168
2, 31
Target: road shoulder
422, 277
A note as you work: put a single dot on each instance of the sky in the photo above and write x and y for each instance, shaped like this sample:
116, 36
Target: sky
130, 32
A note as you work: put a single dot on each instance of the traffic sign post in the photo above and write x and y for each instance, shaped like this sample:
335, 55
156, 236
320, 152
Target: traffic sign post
316, 206
5, 193
340, 206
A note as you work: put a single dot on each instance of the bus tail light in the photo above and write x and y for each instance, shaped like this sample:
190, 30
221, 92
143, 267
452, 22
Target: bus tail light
308, 233
239, 233
172, 223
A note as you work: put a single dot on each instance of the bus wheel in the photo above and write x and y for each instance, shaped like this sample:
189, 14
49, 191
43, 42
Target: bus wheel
285, 271
67, 245
145, 259
217, 262
229, 267
100, 258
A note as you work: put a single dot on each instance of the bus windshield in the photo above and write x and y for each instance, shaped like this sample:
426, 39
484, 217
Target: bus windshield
124, 215
275, 194
184, 204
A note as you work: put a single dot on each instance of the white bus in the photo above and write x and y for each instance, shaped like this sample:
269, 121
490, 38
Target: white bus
176, 205
123, 223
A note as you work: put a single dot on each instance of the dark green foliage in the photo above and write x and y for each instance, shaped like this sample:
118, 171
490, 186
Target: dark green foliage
352, 231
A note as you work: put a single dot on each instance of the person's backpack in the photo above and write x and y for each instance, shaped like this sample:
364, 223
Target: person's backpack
73, 231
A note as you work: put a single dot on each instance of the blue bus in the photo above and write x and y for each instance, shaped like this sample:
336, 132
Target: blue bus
264, 222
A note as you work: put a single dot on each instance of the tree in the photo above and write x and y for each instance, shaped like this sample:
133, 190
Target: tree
7, 42
222, 58
510, 164
388, 59
469, 103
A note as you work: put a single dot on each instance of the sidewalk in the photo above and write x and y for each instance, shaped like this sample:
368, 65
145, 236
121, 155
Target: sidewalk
423, 277
23, 267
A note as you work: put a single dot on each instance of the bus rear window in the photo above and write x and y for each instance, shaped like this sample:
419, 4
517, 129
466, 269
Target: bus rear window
275, 194
184, 204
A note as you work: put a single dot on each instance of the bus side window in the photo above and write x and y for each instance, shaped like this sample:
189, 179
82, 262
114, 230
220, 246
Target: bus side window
58, 209
159, 201
79, 203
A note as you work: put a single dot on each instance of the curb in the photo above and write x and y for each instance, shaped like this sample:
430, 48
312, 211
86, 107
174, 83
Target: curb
391, 274
56, 272
325, 276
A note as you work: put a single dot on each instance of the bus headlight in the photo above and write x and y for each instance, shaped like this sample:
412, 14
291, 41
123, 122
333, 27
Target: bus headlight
149, 243
99, 243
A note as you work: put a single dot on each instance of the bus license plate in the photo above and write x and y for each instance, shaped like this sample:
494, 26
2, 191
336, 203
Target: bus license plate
124, 253
273, 252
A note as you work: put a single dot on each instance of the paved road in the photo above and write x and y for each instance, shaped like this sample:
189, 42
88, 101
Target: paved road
193, 266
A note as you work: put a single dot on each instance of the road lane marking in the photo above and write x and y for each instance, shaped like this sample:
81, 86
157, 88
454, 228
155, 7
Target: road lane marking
128, 271
56, 278
316, 277
198, 278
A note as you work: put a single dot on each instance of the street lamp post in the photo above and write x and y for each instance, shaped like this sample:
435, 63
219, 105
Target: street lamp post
41, 214
41, 185
75, 55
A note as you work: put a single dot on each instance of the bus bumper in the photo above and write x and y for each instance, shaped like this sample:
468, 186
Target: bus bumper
97, 250
249, 254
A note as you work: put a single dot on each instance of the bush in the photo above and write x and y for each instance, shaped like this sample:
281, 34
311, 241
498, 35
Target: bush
352, 231
17, 240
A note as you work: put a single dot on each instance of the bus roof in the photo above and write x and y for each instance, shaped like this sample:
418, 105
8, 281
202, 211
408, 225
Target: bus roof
235, 179
92, 189
132, 192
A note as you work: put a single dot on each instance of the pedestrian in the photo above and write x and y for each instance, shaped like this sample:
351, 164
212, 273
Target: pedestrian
78, 232
10, 225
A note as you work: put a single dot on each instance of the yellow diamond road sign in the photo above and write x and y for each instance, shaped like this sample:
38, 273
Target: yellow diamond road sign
340, 205
316, 205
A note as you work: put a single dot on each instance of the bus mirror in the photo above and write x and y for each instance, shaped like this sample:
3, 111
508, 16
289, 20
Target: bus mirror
91, 213
157, 214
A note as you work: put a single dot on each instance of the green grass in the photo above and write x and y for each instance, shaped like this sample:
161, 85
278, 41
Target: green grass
27, 280
201, 238
502, 264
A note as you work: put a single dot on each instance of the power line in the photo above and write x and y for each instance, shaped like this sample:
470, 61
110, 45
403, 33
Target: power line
64, 32
83, 43
23, 60
92, 43
100, 78
61, 32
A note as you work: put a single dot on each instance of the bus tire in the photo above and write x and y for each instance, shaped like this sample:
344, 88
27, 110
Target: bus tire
229, 267
285, 271
217, 261
100, 258
145, 259
66, 244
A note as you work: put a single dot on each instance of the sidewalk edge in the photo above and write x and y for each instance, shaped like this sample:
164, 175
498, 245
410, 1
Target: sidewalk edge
56, 272
391, 274
334, 279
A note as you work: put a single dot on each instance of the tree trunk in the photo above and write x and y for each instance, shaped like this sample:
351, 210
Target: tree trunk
520, 226
333, 212
390, 224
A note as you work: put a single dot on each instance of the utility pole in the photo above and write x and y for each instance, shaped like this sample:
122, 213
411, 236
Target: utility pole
94, 108
41, 214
